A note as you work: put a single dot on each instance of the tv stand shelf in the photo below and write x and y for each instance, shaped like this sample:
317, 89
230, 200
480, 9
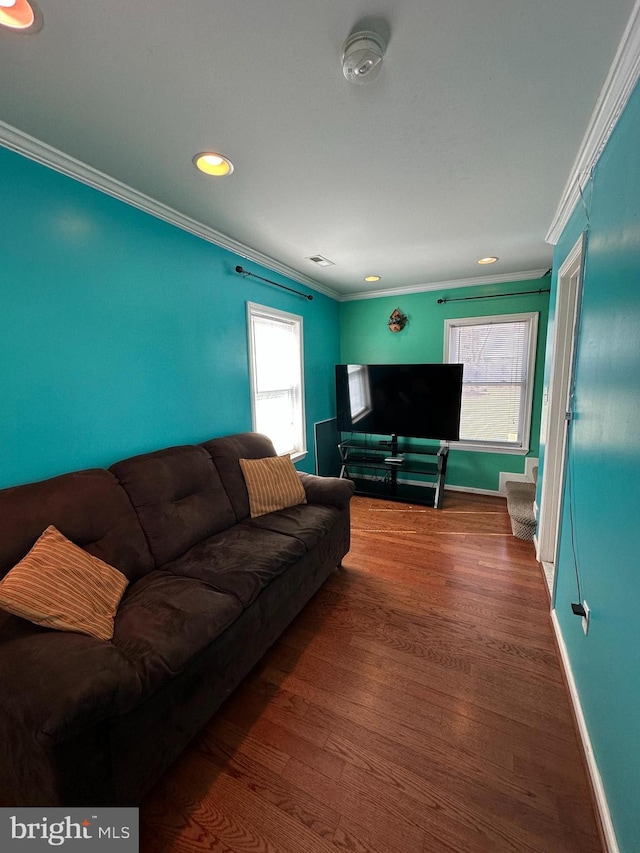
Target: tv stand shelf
370, 468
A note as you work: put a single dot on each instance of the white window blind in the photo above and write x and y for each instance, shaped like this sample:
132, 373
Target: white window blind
498, 354
275, 346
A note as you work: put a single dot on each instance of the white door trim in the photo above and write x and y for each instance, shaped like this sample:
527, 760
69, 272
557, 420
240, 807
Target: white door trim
556, 403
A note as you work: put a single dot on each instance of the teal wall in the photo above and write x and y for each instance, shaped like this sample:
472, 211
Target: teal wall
602, 492
365, 339
120, 333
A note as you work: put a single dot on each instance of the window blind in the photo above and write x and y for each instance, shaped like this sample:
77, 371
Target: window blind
277, 378
495, 380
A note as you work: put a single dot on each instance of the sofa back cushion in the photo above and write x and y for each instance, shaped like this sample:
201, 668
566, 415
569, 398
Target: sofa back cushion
178, 496
88, 507
226, 453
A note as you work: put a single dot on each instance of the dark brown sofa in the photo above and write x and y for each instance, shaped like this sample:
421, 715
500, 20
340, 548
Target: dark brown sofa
89, 722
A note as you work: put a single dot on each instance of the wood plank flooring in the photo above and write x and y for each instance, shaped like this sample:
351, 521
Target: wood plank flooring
416, 706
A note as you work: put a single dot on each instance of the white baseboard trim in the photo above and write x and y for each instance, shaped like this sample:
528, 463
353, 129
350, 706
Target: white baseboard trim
471, 491
602, 806
449, 488
530, 462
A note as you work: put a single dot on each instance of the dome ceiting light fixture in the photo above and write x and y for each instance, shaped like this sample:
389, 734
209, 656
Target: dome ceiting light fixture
20, 15
362, 55
488, 260
214, 164
372, 278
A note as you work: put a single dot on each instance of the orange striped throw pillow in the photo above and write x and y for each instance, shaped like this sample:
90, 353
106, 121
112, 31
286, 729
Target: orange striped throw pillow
58, 585
272, 483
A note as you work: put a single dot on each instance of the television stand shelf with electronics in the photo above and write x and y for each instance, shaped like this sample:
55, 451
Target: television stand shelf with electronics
381, 469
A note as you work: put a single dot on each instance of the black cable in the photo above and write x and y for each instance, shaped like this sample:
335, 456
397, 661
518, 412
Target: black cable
578, 610
582, 198
574, 547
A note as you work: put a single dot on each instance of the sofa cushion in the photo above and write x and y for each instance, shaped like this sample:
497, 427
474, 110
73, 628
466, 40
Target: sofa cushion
272, 484
308, 523
164, 621
88, 507
58, 585
226, 453
240, 561
61, 682
178, 496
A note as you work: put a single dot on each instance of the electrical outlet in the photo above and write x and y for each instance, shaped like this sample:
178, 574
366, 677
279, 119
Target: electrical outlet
585, 618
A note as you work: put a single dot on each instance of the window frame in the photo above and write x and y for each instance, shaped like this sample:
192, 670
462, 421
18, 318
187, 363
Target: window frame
530, 317
254, 309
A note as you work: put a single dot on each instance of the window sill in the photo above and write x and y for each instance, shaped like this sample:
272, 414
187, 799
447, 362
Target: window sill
488, 448
298, 456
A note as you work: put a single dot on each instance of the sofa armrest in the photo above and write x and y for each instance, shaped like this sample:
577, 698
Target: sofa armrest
331, 491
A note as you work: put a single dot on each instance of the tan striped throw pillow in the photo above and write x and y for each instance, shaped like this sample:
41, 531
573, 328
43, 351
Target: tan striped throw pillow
58, 585
272, 483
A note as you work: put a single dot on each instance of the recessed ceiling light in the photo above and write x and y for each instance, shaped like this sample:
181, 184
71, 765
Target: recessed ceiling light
20, 15
213, 164
372, 278
486, 260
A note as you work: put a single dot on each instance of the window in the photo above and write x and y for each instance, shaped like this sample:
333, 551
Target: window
277, 395
498, 354
359, 395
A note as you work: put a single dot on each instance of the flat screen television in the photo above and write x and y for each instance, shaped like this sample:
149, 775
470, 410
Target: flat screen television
411, 400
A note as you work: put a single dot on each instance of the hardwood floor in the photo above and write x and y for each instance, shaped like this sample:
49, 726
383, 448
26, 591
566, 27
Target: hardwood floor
415, 706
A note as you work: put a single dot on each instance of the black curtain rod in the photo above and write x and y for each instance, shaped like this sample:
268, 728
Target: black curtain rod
493, 296
274, 283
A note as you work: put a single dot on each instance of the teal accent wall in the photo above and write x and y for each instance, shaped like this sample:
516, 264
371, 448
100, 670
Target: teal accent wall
602, 492
121, 334
365, 339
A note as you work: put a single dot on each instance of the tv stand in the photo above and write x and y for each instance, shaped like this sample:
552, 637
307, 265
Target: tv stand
377, 470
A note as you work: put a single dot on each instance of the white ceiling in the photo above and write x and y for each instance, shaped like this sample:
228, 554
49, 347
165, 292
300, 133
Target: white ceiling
461, 148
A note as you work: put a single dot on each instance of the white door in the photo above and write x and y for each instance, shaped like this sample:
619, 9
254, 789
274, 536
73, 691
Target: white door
556, 404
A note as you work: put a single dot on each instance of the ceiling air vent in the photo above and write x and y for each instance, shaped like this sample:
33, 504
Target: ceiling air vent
320, 261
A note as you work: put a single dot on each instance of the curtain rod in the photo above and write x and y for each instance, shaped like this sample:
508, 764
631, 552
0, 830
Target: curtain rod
274, 283
493, 296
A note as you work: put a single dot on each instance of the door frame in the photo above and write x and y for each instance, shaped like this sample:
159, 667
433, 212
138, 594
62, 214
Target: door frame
556, 405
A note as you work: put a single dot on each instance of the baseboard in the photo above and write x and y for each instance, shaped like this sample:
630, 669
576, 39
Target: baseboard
530, 462
600, 797
471, 491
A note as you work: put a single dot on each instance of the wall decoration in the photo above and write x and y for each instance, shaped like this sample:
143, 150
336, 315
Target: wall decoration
397, 321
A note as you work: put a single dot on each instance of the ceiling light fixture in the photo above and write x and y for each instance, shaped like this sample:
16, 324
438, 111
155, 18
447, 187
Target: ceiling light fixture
20, 15
362, 55
372, 278
490, 260
213, 164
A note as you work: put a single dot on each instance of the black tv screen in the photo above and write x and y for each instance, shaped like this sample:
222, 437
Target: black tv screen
412, 400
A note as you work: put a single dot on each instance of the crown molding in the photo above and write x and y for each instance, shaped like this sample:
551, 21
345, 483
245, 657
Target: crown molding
618, 86
20, 142
502, 278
